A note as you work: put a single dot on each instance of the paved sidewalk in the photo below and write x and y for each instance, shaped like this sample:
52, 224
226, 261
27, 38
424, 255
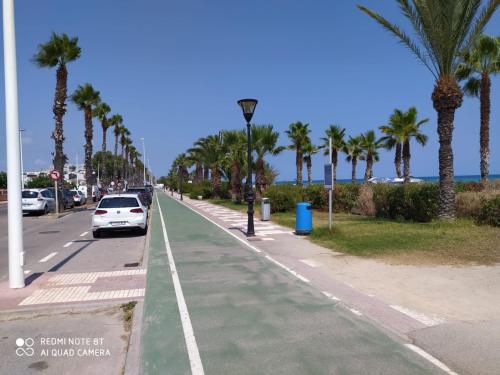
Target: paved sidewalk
245, 312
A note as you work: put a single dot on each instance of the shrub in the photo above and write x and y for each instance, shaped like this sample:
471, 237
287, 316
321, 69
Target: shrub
469, 204
490, 212
316, 195
364, 204
283, 197
345, 197
202, 188
417, 202
462, 187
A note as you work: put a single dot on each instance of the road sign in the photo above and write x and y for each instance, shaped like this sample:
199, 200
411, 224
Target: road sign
54, 175
328, 176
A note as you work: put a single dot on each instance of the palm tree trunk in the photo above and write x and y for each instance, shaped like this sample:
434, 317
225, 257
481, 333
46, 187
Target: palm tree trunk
309, 171
397, 160
59, 110
115, 168
299, 161
406, 161
353, 172
334, 162
235, 181
215, 180
446, 97
103, 156
369, 166
484, 133
206, 172
88, 151
260, 178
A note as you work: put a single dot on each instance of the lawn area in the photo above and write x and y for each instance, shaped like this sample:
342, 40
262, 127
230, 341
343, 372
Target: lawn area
458, 242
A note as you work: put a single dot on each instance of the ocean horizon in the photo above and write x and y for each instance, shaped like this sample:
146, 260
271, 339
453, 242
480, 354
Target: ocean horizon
459, 178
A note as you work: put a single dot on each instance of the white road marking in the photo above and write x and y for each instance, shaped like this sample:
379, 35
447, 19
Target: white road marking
310, 262
296, 274
77, 294
354, 311
331, 296
51, 255
27, 272
431, 359
68, 244
192, 348
418, 316
84, 234
268, 239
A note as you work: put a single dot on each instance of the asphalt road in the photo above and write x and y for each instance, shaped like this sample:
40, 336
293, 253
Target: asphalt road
66, 244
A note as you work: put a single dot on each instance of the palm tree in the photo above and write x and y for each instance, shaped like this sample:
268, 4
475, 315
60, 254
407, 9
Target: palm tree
101, 112
354, 151
264, 142
336, 133
393, 137
309, 150
299, 135
117, 122
195, 158
444, 29
58, 51
210, 149
411, 129
86, 98
124, 139
370, 145
482, 61
234, 143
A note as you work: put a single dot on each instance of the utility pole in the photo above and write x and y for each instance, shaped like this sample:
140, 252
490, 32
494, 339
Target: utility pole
21, 149
143, 160
330, 192
15, 210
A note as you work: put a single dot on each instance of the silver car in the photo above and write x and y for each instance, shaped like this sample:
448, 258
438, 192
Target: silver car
37, 201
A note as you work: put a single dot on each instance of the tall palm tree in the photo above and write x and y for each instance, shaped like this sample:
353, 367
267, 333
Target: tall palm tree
86, 98
309, 150
211, 151
370, 146
101, 111
393, 137
58, 51
411, 129
117, 122
354, 151
482, 61
264, 142
195, 157
443, 29
337, 134
299, 135
234, 143
124, 139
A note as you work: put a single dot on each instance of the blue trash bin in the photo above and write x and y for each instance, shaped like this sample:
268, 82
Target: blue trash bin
303, 218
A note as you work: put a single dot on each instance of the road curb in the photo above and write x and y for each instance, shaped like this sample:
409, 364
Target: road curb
133, 355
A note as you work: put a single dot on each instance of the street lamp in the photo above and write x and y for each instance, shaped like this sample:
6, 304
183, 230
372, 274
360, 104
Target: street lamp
143, 160
21, 149
248, 107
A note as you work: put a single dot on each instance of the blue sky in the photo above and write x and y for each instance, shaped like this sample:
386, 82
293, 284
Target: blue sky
175, 69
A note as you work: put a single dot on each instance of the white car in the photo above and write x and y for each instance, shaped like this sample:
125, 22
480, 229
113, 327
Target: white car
37, 201
119, 212
79, 197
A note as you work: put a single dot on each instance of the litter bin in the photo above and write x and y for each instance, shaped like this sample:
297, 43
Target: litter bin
265, 209
303, 218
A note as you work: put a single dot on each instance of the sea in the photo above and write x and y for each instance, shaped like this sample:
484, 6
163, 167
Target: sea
463, 178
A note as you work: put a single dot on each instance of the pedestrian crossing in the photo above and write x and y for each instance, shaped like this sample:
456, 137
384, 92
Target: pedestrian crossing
264, 230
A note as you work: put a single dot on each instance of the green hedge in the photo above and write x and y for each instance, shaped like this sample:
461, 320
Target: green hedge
490, 212
417, 202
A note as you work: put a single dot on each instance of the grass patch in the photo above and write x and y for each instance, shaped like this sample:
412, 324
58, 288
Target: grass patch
128, 313
441, 242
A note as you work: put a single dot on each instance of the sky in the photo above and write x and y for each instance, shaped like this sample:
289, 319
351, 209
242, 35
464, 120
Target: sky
175, 69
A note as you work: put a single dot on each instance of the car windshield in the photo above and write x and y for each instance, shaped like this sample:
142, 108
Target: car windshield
136, 190
30, 194
118, 202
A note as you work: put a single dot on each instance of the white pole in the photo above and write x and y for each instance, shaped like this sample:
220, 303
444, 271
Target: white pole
15, 210
21, 149
57, 197
144, 159
330, 192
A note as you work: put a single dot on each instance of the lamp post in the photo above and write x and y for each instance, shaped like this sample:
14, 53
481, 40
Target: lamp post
14, 208
248, 108
143, 160
21, 152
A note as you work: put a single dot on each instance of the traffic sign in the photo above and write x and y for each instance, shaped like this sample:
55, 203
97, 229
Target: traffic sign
328, 176
54, 175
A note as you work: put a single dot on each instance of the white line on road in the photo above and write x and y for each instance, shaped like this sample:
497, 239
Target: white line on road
193, 353
417, 316
68, 244
431, 359
27, 272
51, 255
310, 262
297, 275
84, 234
331, 296
356, 312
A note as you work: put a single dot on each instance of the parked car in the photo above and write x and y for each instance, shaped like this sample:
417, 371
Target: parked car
146, 196
60, 198
37, 201
78, 197
119, 212
69, 201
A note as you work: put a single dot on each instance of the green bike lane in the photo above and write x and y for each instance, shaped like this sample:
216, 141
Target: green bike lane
248, 315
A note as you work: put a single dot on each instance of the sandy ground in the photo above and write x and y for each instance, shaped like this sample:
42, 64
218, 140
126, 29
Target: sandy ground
447, 292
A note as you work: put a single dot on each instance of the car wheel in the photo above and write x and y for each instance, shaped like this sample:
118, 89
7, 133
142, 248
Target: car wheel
96, 234
144, 231
46, 210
